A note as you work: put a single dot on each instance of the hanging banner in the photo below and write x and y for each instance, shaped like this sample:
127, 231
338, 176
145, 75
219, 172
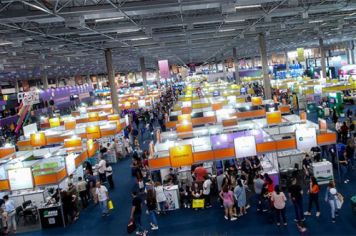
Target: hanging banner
163, 69
300, 53
245, 146
29, 98
306, 138
181, 155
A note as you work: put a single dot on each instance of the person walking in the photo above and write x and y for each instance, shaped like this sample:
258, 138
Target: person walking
296, 196
279, 202
151, 204
83, 193
91, 184
314, 190
101, 166
240, 196
344, 165
227, 197
102, 195
206, 191
330, 197
136, 212
11, 214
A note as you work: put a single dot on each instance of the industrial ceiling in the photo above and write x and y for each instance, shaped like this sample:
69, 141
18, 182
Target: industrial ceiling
68, 37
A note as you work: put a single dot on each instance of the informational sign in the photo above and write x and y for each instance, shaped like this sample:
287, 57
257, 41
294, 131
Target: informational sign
231, 100
323, 172
30, 129
70, 163
306, 138
245, 146
29, 98
300, 53
256, 101
20, 178
51, 217
274, 117
181, 155
164, 69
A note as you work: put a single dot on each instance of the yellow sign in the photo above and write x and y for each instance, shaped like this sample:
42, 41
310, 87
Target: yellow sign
54, 122
300, 53
256, 101
181, 156
274, 117
38, 139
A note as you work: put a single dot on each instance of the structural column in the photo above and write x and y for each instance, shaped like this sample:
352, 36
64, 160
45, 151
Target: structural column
113, 89
322, 58
144, 74
45, 79
286, 59
216, 65
17, 88
57, 82
266, 79
352, 52
236, 65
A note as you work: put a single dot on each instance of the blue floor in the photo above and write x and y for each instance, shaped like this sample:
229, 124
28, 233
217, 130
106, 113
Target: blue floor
208, 221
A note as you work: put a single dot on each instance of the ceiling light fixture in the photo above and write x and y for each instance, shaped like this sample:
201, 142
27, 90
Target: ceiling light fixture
234, 21
109, 19
142, 38
4, 43
226, 30
247, 6
315, 21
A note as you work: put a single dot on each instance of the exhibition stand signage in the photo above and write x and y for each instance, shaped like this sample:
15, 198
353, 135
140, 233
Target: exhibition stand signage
306, 138
181, 155
245, 146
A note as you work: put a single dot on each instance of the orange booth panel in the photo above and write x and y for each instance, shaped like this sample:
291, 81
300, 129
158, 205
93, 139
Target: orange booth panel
54, 139
204, 120
266, 147
171, 124
4, 185
251, 114
93, 132
203, 156
274, 117
181, 155
108, 132
284, 109
303, 116
186, 110
185, 117
82, 120
113, 117
229, 122
93, 116
50, 178
70, 124
326, 138
216, 106
75, 113
5, 151
285, 144
159, 163
224, 153
23, 143
38, 139
74, 142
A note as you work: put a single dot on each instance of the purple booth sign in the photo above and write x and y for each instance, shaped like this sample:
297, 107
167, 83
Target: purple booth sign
164, 69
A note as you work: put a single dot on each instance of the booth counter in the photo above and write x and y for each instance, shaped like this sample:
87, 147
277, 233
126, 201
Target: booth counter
323, 172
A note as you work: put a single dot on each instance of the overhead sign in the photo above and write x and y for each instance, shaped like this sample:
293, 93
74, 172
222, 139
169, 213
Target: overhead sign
245, 146
181, 155
20, 178
300, 53
164, 69
29, 129
306, 138
29, 98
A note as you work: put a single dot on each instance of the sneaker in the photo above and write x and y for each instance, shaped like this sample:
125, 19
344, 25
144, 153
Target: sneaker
264, 210
307, 213
295, 220
139, 233
144, 233
233, 219
318, 214
155, 227
226, 218
333, 220
345, 182
278, 224
303, 219
152, 225
285, 224
248, 206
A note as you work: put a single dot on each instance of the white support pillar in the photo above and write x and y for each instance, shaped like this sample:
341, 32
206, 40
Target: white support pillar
44, 79
17, 88
286, 59
266, 79
112, 84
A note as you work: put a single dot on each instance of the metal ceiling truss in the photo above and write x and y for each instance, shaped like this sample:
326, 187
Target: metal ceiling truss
72, 34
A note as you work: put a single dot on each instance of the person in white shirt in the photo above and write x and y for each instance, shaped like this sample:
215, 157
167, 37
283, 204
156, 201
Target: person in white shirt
109, 177
206, 191
11, 214
102, 195
102, 169
160, 196
83, 193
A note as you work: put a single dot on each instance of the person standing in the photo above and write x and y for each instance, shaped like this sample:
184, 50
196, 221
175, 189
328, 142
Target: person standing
11, 214
296, 195
330, 197
136, 212
101, 169
258, 186
91, 182
344, 163
200, 172
279, 202
151, 204
227, 197
206, 191
240, 196
314, 190
102, 195
108, 173
82, 190
160, 196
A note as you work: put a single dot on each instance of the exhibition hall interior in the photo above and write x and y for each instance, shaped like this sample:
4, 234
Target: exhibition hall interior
178, 117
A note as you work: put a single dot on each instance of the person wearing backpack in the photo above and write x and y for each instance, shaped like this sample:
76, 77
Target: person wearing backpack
314, 190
